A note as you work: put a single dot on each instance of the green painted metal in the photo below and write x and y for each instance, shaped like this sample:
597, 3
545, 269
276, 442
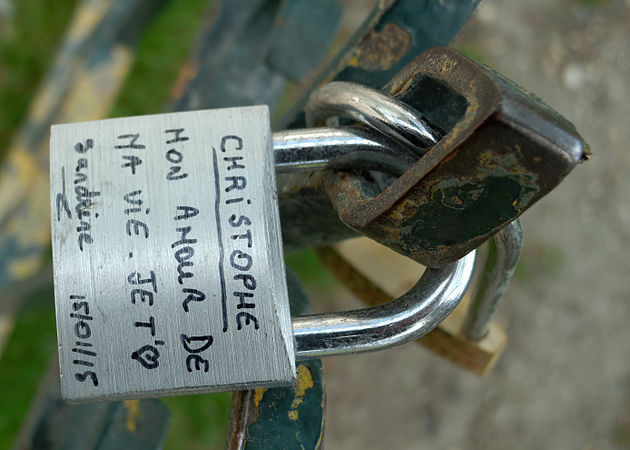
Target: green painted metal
301, 40
429, 24
229, 67
291, 417
414, 25
54, 424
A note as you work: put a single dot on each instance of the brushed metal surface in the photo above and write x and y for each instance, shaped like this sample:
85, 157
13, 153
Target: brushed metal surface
168, 267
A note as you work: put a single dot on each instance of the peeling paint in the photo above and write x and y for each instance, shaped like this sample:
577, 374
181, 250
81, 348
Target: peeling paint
381, 49
258, 396
132, 407
304, 383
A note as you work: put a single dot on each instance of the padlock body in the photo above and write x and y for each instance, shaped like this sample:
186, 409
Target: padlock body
505, 150
167, 252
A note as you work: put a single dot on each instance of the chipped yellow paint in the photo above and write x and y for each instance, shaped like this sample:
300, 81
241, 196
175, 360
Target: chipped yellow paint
303, 383
258, 395
133, 413
401, 210
380, 50
396, 215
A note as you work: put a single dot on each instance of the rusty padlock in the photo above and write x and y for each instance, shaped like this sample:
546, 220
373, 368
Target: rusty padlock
503, 150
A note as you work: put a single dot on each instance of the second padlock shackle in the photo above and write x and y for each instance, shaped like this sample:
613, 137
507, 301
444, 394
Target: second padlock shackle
405, 319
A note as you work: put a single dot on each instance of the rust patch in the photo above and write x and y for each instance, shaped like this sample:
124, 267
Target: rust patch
381, 49
187, 73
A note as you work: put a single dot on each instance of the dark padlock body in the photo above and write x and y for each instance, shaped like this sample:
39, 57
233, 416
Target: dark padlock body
504, 151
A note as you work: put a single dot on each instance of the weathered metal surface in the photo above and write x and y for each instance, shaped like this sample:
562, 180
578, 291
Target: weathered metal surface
167, 254
94, 59
394, 33
54, 424
505, 150
290, 417
391, 36
302, 36
230, 66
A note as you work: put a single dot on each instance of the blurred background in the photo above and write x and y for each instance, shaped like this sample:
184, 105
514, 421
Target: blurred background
563, 381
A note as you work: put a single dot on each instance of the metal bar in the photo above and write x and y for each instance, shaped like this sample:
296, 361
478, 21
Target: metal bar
391, 36
287, 417
313, 149
373, 108
504, 251
409, 317
90, 67
54, 424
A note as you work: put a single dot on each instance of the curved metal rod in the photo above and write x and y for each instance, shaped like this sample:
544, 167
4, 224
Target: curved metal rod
505, 249
375, 109
338, 148
409, 317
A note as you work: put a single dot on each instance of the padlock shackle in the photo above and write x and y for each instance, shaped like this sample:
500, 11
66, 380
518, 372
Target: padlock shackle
355, 148
375, 109
504, 250
405, 319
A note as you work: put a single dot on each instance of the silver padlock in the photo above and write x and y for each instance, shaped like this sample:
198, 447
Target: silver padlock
168, 265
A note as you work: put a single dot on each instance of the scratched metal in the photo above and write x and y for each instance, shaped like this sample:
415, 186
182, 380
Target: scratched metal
167, 255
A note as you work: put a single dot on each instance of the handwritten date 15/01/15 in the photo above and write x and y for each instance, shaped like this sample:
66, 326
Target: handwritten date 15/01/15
85, 355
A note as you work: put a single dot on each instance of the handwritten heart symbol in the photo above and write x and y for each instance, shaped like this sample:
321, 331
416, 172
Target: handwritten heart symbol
148, 356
